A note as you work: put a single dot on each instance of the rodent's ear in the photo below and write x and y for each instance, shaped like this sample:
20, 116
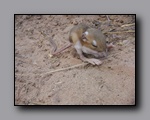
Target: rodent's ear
94, 43
86, 33
84, 37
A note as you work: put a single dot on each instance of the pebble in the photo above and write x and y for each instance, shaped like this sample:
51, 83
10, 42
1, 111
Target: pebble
126, 42
54, 23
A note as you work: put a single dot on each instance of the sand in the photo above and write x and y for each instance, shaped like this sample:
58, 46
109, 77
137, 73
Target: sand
112, 83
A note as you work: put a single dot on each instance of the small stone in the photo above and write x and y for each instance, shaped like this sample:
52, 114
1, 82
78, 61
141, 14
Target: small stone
125, 42
54, 23
120, 43
121, 21
57, 64
39, 17
110, 67
75, 23
35, 63
102, 16
120, 49
50, 55
96, 23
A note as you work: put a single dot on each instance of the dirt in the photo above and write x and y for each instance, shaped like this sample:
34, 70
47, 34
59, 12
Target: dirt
112, 83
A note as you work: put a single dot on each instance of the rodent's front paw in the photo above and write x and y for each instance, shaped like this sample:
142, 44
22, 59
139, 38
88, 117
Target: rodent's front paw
94, 61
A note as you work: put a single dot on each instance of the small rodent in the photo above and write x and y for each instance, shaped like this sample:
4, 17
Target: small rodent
89, 41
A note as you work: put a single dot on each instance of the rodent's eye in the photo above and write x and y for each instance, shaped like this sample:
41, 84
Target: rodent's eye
94, 43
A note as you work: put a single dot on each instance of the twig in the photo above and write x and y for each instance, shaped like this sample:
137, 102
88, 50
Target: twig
58, 70
38, 103
67, 68
130, 31
107, 17
109, 21
126, 25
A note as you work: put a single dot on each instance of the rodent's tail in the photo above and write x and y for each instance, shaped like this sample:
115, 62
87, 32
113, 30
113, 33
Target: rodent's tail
62, 49
54, 46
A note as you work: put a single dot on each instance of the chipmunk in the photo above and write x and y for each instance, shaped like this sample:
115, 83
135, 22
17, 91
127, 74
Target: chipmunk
86, 40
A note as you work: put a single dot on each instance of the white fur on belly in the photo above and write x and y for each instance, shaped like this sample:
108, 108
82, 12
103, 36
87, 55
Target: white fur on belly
88, 50
78, 45
93, 52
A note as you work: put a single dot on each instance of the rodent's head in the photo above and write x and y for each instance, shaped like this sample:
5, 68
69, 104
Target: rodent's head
94, 39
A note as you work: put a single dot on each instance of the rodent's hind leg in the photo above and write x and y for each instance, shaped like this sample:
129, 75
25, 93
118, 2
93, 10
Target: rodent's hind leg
93, 61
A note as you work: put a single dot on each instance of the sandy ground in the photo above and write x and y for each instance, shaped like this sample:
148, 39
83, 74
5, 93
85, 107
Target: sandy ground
112, 83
